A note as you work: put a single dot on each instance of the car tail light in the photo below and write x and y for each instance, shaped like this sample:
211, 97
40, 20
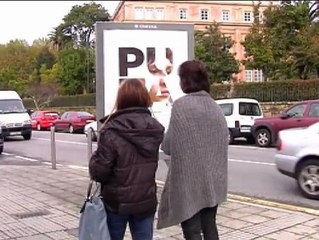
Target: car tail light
237, 124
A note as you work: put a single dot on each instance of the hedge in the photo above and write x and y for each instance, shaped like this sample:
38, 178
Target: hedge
278, 91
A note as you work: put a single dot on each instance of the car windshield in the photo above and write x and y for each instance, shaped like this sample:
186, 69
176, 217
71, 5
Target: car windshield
11, 106
51, 114
249, 109
84, 114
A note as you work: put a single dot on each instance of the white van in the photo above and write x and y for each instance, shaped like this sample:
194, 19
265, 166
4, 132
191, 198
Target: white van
14, 119
240, 114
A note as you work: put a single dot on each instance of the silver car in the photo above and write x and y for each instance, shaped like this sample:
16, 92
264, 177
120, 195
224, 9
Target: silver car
298, 157
93, 127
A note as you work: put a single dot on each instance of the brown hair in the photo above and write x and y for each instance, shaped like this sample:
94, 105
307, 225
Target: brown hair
193, 77
132, 93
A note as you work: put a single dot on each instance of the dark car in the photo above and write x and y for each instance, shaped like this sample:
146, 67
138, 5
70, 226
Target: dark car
299, 115
43, 119
73, 121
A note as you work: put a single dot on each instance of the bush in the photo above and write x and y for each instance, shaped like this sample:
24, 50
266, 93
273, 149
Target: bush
278, 91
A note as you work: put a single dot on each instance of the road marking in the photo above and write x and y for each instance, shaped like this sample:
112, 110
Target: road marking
27, 159
250, 147
251, 162
61, 141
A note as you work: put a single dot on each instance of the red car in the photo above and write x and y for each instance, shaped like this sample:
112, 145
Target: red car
300, 115
73, 121
43, 119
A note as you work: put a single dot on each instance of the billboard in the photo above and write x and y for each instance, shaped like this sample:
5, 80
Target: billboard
150, 52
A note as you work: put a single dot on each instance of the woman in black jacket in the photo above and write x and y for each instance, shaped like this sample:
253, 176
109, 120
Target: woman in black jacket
125, 163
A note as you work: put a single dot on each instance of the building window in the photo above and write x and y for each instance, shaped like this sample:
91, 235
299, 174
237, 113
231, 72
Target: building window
248, 75
182, 14
253, 75
248, 16
225, 15
258, 75
159, 13
204, 14
149, 13
139, 13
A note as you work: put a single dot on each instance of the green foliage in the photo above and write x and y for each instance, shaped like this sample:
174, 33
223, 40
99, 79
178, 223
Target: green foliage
276, 91
212, 47
285, 44
77, 28
75, 69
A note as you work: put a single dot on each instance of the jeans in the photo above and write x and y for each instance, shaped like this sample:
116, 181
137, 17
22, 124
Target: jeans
202, 222
141, 228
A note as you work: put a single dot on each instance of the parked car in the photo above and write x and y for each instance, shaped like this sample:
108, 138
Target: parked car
43, 119
93, 127
302, 114
240, 114
73, 121
1, 140
298, 157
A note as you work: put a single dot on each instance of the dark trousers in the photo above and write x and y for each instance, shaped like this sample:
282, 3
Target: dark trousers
141, 229
203, 222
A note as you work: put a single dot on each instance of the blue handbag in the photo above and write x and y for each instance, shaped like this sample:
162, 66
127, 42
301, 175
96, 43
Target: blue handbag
93, 219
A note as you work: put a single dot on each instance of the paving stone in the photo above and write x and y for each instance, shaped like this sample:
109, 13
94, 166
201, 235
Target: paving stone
284, 235
236, 224
42, 225
313, 223
273, 214
255, 219
35, 237
60, 235
303, 230
3, 236
237, 214
237, 235
314, 236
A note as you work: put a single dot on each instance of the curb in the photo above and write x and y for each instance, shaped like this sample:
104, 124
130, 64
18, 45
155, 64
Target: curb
272, 204
267, 203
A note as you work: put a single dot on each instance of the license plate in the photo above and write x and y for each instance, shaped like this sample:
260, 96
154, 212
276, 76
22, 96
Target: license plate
15, 133
245, 129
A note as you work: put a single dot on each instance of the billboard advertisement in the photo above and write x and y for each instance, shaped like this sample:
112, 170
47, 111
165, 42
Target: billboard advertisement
150, 52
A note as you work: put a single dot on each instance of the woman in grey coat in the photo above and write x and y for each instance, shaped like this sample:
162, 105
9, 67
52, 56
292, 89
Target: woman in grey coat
197, 141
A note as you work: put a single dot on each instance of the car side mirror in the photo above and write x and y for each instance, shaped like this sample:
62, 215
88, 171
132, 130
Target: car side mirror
285, 116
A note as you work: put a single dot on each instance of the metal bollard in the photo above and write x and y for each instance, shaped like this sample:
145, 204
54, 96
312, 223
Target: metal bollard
53, 147
89, 146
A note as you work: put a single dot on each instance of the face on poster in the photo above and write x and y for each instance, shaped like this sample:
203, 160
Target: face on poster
151, 55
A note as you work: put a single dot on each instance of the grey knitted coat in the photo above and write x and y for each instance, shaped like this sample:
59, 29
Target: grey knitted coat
197, 140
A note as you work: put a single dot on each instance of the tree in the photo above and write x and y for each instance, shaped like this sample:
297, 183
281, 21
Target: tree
258, 48
42, 94
213, 48
78, 25
73, 75
284, 45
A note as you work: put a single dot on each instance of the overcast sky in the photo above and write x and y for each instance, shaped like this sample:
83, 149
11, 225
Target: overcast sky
30, 20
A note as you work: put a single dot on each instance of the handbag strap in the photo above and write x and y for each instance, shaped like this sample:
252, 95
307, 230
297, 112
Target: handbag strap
89, 190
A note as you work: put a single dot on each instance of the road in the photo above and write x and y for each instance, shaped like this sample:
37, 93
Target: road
252, 171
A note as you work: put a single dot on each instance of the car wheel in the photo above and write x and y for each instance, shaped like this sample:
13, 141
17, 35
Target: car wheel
27, 136
263, 138
71, 129
1, 149
39, 127
230, 138
308, 178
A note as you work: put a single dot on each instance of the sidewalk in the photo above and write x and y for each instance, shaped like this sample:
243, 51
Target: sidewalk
38, 203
